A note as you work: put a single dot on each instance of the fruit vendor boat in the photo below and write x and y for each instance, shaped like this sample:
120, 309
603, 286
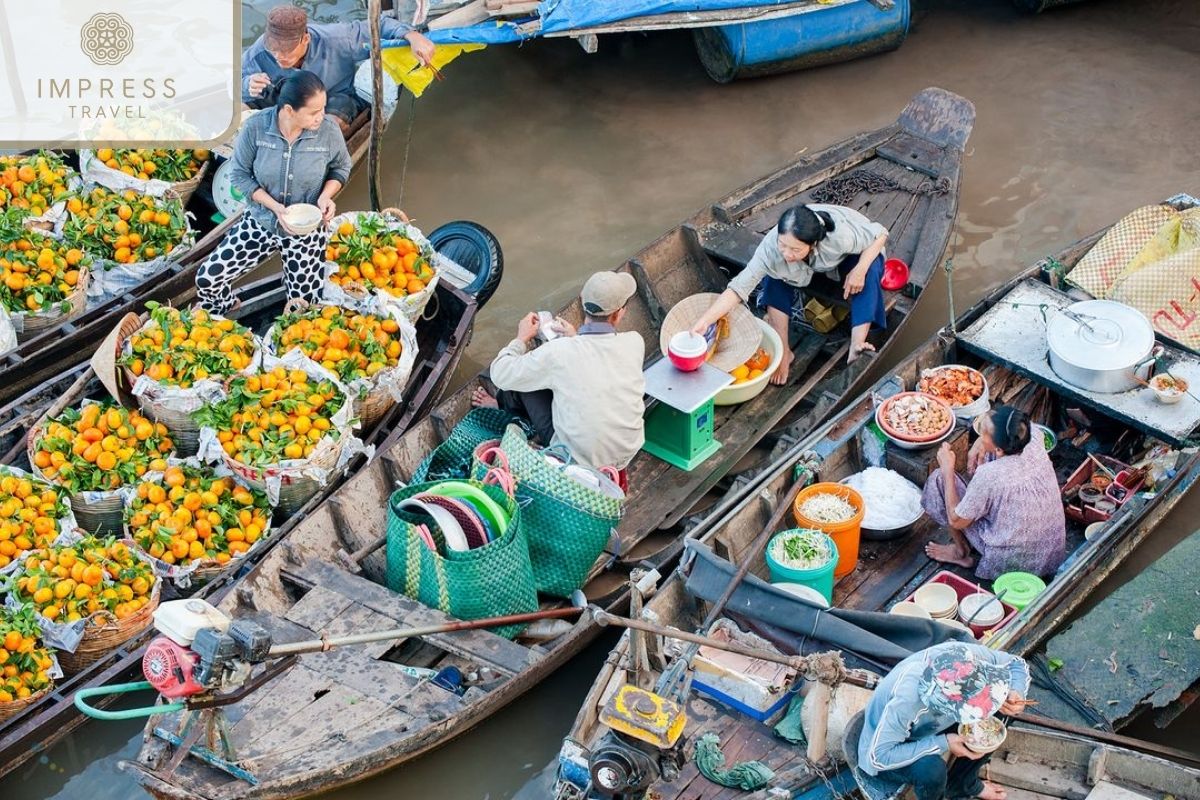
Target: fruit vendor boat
332, 719
891, 567
442, 339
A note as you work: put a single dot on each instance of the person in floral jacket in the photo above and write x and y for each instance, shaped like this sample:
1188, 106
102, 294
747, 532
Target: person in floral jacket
912, 720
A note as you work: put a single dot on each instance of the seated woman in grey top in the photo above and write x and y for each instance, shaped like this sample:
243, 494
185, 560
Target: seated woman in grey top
288, 154
835, 241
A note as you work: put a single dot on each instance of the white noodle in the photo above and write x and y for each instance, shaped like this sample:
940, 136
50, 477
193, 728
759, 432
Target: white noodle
890, 501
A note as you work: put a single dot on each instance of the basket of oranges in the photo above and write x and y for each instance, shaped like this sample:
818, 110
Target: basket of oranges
92, 595
178, 360
160, 172
27, 667
33, 513
280, 431
129, 235
93, 451
42, 279
35, 185
371, 354
194, 522
373, 252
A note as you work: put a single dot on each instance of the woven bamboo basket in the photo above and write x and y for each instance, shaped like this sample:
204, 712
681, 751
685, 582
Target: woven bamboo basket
10, 710
371, 408
209, 568
294, 491
105, 633
184, 190
39, 322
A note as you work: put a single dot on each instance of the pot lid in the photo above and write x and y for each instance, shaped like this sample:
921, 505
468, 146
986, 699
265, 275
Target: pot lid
1100, 335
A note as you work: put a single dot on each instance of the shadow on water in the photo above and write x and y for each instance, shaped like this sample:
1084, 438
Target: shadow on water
576, 160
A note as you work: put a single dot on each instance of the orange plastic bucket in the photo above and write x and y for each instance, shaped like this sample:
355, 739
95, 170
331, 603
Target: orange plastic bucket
844, 534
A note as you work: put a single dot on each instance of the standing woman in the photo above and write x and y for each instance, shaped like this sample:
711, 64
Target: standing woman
288, 154
836, 241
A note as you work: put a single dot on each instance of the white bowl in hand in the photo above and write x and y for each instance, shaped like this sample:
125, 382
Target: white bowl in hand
302, 218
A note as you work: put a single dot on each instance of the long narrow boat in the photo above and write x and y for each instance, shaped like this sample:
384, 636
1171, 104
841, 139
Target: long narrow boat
42, 357
337, 718
441, 339
890, 570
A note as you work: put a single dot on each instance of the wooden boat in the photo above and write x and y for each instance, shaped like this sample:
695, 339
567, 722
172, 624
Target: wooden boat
341, 717
41, 358
830, 35
442, 339
890, 570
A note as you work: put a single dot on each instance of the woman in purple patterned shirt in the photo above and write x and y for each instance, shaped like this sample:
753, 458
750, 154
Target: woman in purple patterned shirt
1011, 510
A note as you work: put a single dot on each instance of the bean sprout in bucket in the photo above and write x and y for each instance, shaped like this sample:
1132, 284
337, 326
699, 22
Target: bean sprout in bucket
827, 508
802, 549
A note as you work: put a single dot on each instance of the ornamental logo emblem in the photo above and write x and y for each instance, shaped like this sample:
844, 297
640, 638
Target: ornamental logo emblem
106, 39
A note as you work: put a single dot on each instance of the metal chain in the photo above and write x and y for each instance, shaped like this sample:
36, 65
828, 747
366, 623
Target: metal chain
841, 190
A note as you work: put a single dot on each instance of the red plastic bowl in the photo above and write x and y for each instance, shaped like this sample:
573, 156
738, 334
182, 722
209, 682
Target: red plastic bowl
895, 275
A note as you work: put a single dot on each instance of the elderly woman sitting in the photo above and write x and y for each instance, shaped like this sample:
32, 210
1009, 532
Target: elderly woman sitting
1010, 511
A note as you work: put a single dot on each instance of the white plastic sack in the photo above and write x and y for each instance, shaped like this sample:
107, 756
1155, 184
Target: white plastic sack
8, 333
364, 87
110, 279
274, 475
410, 306
394, 379
96, 171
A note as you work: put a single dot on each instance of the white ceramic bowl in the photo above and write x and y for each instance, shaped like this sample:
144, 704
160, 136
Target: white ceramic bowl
985, 618
907, 609
741, 392
803, 592
1093, 530
964, 730
939, 599
1167, 397
302, 218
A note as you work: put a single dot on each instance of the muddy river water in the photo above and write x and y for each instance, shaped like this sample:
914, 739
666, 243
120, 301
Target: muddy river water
575, 161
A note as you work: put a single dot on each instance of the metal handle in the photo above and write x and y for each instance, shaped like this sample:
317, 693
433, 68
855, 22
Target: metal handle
82, 696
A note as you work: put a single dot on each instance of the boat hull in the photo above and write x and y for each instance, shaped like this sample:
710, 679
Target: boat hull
802, 41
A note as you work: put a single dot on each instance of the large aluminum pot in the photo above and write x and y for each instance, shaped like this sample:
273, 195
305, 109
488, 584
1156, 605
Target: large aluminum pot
1100, 345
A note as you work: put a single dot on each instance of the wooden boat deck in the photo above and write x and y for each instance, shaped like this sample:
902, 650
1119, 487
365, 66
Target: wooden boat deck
670, 269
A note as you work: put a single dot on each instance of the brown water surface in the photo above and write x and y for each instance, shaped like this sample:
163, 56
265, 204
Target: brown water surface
575, 161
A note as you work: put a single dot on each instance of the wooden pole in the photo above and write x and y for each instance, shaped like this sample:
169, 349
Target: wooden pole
818, 698
375, 144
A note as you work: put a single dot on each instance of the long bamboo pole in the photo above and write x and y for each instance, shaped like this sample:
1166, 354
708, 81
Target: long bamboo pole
375, 144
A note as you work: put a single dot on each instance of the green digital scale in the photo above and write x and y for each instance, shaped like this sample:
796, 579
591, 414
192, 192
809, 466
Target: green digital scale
679, 427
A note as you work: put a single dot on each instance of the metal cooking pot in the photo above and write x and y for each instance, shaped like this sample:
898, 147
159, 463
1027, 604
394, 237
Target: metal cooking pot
1100, 345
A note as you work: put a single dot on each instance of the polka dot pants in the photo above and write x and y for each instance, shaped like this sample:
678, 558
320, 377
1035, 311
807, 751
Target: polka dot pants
245, 247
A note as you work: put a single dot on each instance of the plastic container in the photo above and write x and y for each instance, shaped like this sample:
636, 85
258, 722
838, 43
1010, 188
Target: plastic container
1020, 588
820, 578
964, 587
741, 392
687, 351
845, 535
895, 275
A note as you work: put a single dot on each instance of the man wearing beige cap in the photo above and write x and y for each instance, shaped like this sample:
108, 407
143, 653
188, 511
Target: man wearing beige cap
331, 51
584, 388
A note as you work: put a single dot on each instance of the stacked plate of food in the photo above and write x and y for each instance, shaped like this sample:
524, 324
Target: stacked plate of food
915, 420
964, 388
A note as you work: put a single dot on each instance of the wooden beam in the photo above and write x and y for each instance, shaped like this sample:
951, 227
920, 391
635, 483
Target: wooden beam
469, 14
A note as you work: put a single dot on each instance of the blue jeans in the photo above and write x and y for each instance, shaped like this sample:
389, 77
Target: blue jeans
931, 780
866, 306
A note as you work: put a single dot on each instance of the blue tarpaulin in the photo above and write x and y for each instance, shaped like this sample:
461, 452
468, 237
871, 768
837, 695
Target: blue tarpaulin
559, 16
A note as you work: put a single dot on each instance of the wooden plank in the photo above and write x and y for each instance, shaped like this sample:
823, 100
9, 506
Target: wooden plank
731, 244
469, 14
289, 694
915, 153
318, 608
478, 645
359, 619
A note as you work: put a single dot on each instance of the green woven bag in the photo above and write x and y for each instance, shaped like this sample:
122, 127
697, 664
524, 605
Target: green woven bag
567, 523
452, 458
489, 581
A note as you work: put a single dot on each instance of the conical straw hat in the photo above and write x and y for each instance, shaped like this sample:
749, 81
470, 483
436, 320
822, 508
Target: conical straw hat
744, 337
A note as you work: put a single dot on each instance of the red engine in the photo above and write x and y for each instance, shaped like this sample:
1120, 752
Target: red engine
171, 669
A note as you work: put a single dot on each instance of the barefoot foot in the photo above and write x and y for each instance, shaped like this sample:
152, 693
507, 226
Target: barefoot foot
949, 554
858, 350
481, 399
992, 791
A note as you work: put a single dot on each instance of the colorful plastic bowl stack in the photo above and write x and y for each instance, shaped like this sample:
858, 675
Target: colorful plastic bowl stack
465, 515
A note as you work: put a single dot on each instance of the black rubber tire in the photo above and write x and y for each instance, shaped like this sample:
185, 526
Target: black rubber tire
474, 248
